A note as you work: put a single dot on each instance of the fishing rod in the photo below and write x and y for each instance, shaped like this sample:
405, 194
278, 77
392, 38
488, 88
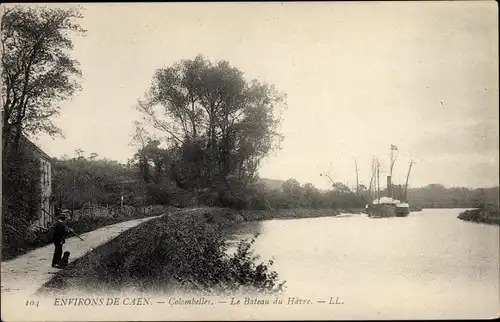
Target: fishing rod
69, 229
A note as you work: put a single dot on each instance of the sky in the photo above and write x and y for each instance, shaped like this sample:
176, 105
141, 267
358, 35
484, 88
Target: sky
358, 77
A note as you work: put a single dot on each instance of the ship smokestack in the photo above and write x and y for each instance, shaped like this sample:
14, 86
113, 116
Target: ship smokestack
389, 187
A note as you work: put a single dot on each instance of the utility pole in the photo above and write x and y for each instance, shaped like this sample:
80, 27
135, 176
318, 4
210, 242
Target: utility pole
143, 196
73, 197
121, 199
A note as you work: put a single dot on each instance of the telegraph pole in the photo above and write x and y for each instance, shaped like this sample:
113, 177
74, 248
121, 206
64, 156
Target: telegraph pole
121, 199
73, 197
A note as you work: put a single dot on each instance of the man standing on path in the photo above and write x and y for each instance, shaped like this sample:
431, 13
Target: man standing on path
58, 237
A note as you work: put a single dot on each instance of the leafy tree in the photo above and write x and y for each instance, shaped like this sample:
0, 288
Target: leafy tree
293, 193
341, 187
438, 196
312, 196
21, 197
37, 70
80, 181
37, 73
220, 125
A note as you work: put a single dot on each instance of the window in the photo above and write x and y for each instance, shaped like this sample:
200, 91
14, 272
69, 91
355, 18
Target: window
44, 172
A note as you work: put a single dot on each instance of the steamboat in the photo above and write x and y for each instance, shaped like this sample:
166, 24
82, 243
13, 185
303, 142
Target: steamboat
389, 206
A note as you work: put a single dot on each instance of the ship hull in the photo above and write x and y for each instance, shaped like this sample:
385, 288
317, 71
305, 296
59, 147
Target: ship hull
402, 211
387, 210
381, 211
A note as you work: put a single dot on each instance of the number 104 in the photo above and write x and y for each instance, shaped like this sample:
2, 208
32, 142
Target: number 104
32, 303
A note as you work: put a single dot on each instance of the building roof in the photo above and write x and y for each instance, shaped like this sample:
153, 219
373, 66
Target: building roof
33, 146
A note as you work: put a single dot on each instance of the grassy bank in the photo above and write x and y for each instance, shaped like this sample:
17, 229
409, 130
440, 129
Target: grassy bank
486, 215
182, 250
80, 226
257, 215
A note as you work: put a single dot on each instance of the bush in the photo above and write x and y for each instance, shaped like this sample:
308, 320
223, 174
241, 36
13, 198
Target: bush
245, 272
488, 214
167, 193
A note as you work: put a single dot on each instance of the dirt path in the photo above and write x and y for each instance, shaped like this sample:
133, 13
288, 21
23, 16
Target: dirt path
24, 275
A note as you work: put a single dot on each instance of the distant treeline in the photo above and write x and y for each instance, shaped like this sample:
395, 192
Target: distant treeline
81, 181
438, 196
89, 180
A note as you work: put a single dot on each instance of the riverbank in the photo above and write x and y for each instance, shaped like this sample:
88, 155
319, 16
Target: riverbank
182, 250
487, 215
258, 215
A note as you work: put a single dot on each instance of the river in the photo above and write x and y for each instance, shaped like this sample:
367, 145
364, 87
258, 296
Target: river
429, 265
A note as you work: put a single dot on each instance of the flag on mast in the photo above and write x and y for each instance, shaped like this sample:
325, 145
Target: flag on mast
393, 147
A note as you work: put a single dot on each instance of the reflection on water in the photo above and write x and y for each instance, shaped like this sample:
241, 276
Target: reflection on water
427, 265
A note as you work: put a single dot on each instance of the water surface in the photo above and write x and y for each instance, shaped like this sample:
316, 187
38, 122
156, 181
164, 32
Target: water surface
428, 265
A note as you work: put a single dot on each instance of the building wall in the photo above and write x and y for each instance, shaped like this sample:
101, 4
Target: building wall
43, 220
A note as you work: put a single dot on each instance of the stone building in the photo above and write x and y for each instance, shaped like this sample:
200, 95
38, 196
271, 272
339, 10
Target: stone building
46, 209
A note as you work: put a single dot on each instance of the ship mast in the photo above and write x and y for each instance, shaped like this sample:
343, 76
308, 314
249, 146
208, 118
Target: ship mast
412, 162
371, 188
390, 192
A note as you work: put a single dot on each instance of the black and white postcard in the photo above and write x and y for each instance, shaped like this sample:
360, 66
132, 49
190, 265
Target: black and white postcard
250, 161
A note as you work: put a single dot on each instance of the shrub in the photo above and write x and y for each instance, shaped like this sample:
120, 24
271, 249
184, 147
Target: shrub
488, 214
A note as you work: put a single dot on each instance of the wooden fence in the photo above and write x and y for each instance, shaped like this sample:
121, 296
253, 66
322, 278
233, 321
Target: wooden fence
103, 211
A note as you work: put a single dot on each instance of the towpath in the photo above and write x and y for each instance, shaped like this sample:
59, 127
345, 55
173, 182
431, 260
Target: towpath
24, 275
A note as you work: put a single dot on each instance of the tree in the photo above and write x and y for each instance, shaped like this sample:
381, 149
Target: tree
357, 177
312, 195
37, 70
79, 154
221, 125
293, 192
341, 188
80, 180
21, 198
291, 186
